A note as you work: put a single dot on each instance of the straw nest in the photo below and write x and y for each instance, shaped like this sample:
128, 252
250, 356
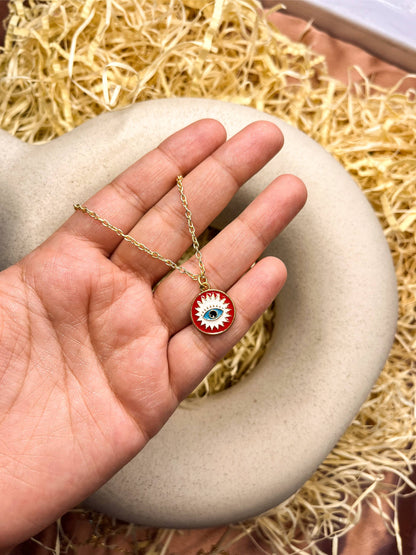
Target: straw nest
66, 61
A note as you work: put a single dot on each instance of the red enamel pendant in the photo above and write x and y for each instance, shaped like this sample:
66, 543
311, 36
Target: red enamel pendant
212, 312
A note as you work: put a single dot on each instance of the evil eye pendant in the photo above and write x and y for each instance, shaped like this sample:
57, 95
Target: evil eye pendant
212, 312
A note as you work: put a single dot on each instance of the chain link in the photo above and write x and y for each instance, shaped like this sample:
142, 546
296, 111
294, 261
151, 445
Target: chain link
200, 278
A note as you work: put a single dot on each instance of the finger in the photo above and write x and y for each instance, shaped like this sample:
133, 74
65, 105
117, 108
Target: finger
208, 189
124, 201
192, 354
233, 250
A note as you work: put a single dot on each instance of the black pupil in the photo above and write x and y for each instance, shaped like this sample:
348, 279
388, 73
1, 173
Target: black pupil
213, 314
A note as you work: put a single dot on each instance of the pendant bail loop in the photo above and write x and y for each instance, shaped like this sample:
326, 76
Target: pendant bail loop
203, 283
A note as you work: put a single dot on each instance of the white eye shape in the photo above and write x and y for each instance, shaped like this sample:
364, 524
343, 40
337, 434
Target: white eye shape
212, 311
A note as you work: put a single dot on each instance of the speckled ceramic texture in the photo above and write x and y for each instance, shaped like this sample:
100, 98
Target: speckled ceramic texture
245, 450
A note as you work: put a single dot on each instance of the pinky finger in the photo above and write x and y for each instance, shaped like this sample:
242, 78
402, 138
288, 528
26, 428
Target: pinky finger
192, 354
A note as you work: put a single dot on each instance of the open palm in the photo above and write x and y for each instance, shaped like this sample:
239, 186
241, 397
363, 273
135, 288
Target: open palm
96, 350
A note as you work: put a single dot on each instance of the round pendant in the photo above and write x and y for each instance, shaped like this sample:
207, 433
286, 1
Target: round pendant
212, 312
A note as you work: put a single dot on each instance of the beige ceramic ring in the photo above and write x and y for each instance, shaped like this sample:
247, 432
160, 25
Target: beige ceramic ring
247, 449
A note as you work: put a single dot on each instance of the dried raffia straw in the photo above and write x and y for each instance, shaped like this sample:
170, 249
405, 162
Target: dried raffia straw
65, 61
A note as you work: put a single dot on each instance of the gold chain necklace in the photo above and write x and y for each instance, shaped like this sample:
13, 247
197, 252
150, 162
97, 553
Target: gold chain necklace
212, 311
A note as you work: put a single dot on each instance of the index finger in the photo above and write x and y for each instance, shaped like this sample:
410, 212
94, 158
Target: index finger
128, 197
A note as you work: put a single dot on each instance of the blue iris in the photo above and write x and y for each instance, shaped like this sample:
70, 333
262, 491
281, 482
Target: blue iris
213, 314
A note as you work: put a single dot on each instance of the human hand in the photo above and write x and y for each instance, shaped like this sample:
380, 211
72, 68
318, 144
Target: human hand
93, 357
